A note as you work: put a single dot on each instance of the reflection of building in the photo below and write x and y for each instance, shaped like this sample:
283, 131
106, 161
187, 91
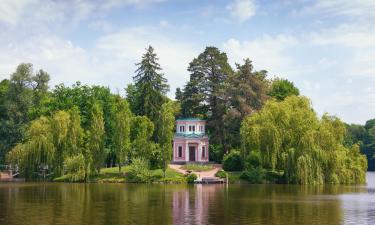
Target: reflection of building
190, 143
191, 205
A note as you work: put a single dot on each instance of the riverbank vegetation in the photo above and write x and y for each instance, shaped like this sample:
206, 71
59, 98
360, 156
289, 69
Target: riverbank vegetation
256, 125
197, 167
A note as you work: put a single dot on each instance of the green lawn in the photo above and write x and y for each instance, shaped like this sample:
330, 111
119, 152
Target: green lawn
197, 167
112, 175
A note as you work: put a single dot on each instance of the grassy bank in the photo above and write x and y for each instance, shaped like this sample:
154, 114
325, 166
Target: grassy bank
112, 175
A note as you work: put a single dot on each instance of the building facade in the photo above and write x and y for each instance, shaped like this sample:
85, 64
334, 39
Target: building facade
190, 143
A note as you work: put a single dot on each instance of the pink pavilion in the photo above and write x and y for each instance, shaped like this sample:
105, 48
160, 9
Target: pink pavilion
190, 143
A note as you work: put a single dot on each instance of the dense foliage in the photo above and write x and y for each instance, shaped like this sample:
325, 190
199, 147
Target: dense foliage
291, 138
233, 161
74, 131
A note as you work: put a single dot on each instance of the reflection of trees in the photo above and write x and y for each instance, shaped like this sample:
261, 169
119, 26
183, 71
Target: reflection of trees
276, 204
94, 204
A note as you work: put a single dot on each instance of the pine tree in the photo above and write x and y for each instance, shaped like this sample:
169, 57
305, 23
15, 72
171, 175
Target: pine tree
246, 93
205, 91
150, 86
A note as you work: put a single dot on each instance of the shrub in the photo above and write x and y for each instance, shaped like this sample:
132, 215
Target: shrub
191, 178
274, 177
75, 168
197, 167
254, 175
139, 171
233, 161
221, 174
216, 153
252, 160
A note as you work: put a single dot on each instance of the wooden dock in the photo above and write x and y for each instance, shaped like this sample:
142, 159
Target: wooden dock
6, 177
209, 180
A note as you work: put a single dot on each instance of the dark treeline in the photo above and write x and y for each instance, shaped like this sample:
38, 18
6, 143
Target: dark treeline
79, 129
365, 137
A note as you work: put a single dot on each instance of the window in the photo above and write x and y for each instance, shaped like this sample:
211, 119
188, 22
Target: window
179, 151
203, 151
182, 128
191, 128
201, 128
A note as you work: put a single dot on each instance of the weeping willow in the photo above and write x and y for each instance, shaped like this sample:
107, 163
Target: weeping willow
38, 151
48, 143
291, 138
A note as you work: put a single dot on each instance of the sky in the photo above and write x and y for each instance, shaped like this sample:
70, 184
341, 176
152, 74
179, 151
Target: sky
327, 48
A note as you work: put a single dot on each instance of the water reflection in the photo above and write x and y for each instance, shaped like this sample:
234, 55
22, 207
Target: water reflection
53, 203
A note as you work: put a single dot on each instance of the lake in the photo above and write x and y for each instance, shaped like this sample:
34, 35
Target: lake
63, 203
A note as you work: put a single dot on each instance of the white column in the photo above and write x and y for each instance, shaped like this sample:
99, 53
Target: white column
187, 152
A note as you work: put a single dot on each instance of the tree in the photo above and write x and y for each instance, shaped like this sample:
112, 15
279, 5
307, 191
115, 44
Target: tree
74, 138
204, 94
17, 105
282, 88
291, 138
368, 143
96, 138
60, 127
246, 93
4, 131
123, 118
165, 132
40, 94
354, 135
37, 152
141, 133
150, 86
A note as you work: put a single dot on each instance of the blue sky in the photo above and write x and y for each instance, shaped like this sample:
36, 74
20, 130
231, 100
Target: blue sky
327, 48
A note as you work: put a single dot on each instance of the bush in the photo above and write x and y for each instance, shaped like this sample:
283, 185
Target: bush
233, 161
191, 178
221, 174
139, 171
274, 177
254, 175
75, 168
216, 153
252, 160
197, 167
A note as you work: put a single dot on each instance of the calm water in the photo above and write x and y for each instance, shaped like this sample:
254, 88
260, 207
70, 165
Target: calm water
55, 203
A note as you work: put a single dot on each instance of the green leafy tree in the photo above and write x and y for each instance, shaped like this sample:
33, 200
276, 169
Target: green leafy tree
37, 152
141, 133
96, 138
4, 124
166, 132
368, 145
290, 138
282, 88
75, 135
60, 127
123, 118
247, 91
17, 105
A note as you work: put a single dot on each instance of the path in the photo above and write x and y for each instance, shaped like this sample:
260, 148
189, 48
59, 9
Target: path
205, 174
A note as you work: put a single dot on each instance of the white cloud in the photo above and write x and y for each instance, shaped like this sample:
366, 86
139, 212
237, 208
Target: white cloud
348, 35
11, 11
126, 48
40, 12
267, 52
353, 8
111, 62
242, 10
